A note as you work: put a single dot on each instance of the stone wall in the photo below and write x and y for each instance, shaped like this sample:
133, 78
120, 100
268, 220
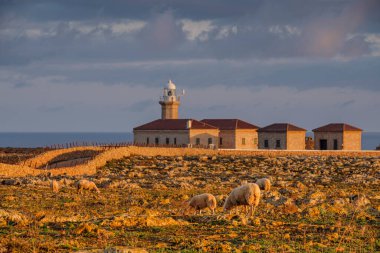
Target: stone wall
352, 140
272, 138
169, 110
232, 139
228, 139
204, 135
251, 139
296, 140
329, 136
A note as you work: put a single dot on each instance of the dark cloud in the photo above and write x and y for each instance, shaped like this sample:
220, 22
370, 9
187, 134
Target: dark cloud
263, 29
55, 52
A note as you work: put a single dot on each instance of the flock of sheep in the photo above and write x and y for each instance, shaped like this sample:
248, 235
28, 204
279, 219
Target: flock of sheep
246, 195
81, 185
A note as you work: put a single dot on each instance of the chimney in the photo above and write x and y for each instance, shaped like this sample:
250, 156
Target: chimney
189, 122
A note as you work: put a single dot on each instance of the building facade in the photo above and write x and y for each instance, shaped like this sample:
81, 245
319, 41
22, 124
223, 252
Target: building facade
235, 133
337, 136
282, 136
176, 132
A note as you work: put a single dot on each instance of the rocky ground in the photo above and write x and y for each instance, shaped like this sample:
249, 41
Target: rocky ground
317, 204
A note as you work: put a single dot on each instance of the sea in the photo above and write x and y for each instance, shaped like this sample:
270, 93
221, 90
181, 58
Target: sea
370, 140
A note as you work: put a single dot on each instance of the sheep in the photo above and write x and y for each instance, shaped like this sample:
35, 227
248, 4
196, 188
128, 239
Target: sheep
264, 184
202, 201
84, 184
54, 186
244, 195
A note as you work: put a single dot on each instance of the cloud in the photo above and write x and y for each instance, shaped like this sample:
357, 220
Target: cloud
162, 32
95, 59
325, 37
374, 41
197, 29
285, 30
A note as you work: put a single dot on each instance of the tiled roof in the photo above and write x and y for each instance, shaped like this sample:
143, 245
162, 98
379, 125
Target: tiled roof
229, 124
336, 127
174, 124
280, 128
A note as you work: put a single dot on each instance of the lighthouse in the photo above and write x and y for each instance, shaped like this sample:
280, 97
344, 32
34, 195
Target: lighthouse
170, 101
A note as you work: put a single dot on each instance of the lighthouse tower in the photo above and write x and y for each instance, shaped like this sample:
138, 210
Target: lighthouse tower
170, 102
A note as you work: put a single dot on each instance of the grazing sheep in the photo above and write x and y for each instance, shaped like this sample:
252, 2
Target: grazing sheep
264, 184
84, 184
54, 186
244, 195
202, 201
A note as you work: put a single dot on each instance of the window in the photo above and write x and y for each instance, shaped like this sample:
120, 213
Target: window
335, 144
255, 141
147, 140
278, 143
266, 144
156, 140
175, 141
243, 141
209, 141
220, 141
198, 141
167, 141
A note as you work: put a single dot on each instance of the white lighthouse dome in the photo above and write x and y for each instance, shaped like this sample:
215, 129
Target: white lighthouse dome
170, 85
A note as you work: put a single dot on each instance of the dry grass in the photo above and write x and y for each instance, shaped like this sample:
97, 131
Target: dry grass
141, 197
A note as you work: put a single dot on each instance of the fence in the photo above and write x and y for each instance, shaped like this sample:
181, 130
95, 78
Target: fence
73, 161
123, 144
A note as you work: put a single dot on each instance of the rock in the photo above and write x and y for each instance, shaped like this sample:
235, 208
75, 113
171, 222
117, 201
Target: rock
289, 207
149, 221
315, 198
313, 213
11, 181
159, 186
115, 249
14, 217
359, 200
300, 186
202, 158
185, 186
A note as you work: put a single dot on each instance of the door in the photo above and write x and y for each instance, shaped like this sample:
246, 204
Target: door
323, 144
335, 144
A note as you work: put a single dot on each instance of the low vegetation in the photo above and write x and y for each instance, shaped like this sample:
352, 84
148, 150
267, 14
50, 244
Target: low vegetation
316, 204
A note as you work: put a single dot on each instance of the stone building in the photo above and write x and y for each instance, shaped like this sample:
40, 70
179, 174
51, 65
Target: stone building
169, 130
282, 136
235, 133
170, 102
179, 132
337, 136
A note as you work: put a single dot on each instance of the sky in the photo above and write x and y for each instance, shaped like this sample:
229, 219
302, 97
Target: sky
100, 66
